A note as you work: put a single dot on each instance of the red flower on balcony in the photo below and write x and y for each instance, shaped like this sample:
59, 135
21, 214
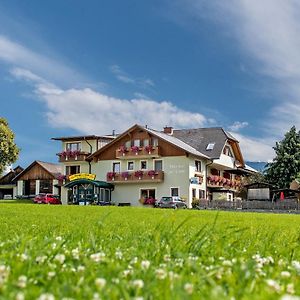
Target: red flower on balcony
111, 175
122, 149
152, 173
61, 177
125, 175
148, 148
135, 149
138, 174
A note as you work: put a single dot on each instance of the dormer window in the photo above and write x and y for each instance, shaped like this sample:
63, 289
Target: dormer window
210, 146
227, 151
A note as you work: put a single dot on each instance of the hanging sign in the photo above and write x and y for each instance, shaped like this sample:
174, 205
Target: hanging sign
82, 176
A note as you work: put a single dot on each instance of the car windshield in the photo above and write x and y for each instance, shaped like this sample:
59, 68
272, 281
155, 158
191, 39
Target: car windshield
166, 199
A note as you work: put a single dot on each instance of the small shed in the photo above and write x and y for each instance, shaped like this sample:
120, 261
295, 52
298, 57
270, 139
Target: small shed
259, 191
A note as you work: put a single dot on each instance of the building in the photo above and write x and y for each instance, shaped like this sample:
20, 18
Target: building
39, 177
8, 187
143, 163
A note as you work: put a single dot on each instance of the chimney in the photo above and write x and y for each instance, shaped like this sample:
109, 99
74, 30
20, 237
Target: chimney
168, 130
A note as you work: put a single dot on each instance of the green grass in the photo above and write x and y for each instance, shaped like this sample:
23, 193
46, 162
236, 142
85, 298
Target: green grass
77, 252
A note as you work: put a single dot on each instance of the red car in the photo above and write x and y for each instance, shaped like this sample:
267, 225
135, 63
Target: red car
47, 199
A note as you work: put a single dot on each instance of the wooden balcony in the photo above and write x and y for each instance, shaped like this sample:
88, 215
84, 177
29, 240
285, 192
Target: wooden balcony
224, 183
72, 156
134, 177
138, 152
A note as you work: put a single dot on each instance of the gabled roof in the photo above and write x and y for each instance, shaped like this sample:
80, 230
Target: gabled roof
200, 138
168, 138
83, 137
52, 169
8, 178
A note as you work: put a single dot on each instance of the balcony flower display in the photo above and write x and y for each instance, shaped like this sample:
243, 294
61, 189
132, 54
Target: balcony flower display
138, 174
148, 149
135, 149
122, 149
152, 173
61, 177
111, 175
70, 154
125, 175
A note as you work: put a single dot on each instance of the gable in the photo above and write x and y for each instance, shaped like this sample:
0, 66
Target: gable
8, 178
37, 172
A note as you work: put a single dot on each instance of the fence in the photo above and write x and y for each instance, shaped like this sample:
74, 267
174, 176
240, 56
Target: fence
287, 204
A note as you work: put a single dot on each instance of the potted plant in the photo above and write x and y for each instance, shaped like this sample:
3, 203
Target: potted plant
148, 149
125, 175
122, 150
135, 149
139, 174
152, 173
111, 175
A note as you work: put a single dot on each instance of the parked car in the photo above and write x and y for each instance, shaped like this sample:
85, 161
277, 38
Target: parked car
171, 202
43, 198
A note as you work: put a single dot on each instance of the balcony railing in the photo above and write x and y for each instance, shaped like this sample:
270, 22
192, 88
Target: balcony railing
137, 152
135, 176
66, 156
219, 181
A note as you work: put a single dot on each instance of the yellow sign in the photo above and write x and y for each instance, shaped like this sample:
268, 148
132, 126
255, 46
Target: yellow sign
82, 176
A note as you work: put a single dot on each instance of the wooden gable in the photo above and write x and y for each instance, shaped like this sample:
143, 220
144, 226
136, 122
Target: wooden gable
108, 152
237, 152
8, 178
36, 172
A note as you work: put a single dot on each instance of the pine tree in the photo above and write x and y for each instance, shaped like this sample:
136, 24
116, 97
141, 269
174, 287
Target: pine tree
286, 165
8, 149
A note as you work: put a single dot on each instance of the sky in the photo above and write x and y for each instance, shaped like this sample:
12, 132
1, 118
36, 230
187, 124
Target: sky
90, 67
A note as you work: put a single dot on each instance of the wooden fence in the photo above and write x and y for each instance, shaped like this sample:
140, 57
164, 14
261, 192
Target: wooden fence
287, 204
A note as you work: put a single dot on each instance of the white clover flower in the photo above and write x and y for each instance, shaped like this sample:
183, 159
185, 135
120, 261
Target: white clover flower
51, 274
138, 298
145, 264
296, 265
270, 259
227, 263
20, 296
189, 288
23, 257
46, 296
75, 253
160, 273
134, 260
289, 297
80, 268
96, 296
41, 259
98, 257
119, 254
290, 288
126, 273
138, 283
167, 257
53, 245
115, 280
58, 238
100, 283
285, 274
274, 285
22, 281
4, 273
60, 258
173, 275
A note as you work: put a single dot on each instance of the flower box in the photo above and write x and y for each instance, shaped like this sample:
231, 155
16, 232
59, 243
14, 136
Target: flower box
139, 174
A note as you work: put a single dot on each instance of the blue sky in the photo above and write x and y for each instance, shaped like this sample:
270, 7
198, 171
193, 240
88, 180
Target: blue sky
90, 67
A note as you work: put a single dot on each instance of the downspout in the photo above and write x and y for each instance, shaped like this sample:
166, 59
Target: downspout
91, 150
211, 162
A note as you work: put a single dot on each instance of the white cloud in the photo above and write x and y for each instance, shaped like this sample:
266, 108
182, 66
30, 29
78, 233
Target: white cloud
236, 126
123, 76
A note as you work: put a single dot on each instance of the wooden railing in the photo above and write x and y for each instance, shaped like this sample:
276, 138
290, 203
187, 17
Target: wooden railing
138, 152
135, 176
219, 181
72, 156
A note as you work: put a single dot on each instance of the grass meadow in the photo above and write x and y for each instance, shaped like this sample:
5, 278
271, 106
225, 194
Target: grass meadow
73, 252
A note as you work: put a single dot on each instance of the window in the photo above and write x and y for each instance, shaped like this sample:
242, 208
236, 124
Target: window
227, 151
194, 193
116, 167
46, 186
175, 191
148, 193
130, 165
215, 172
145, 142
210, 146
158, 165
137, 143
71, 170
154, 142
198, 165
128, 144
201, 194
143, 165
226, 175
73, 146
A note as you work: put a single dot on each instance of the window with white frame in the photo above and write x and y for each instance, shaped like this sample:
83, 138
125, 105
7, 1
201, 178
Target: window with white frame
198, 166
146, 142
137, 143
71, 170
158, 165
128, 144
73, 146
116, 167
174, 191
143, 165
154, 142
130, 165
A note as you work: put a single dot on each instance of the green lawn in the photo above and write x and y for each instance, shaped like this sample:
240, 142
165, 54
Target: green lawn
137, 253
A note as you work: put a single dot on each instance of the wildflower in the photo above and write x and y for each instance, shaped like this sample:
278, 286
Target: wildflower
167, 257
115, 280
138, 283
53, 245
4, 272
134, 260
51, 274
289, 297
22, 281
160, 273
126, 272
145, 264
23, 257
100, 282
80, 268
296, 265
273, 285
119, 254
189, 288
20, 296
285, 274
41, 259
98, 257
96, 296
46, 296
60, 258
290, 288
75, 253
227, 263
58, 238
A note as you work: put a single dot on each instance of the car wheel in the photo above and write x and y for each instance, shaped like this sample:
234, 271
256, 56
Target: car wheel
175, 207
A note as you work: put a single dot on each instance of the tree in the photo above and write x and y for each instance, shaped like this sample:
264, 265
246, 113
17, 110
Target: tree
9, 151
286, 165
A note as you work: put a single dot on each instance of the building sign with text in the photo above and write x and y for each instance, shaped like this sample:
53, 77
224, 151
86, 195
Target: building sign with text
82, 176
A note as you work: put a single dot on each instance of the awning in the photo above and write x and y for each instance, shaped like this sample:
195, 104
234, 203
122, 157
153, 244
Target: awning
101, 184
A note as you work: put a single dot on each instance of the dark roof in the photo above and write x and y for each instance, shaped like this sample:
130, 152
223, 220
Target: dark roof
83, 137
199, 139
101, 184
53, 169
8, 178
